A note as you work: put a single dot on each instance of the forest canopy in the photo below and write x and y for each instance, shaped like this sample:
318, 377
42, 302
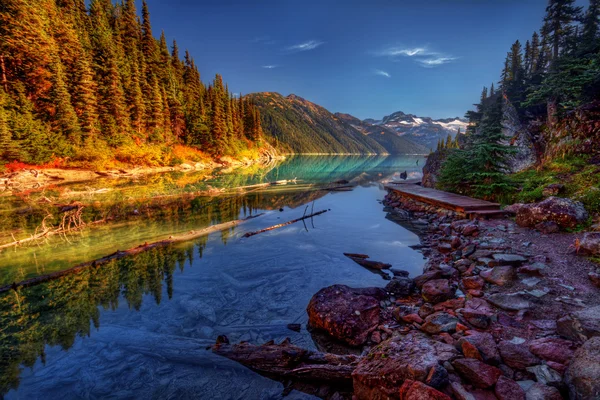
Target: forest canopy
93, 84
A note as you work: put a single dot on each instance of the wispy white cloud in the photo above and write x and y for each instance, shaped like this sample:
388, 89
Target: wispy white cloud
405, 51
435, 61
305, 46
423, 55
270, 66
382, 73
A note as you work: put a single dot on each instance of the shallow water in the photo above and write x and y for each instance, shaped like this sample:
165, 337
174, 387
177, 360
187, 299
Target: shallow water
138, 327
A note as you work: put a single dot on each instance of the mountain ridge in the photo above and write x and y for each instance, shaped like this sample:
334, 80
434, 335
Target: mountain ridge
423, 130
297, 125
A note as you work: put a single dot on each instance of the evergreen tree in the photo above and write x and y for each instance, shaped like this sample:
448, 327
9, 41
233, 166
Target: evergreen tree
9, 148
591, 24
558, 23
480, 168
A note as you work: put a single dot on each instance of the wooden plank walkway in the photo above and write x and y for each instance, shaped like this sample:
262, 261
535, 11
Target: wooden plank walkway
468, 205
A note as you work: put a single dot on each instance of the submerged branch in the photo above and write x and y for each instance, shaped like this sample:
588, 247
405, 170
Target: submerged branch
285, 223
134, 250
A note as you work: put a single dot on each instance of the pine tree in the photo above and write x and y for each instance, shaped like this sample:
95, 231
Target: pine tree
64, 114
591, 24
558, 23
534, 62
480, 168
9, 148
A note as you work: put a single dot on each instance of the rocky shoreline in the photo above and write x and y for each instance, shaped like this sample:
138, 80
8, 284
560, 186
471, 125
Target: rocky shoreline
501, 312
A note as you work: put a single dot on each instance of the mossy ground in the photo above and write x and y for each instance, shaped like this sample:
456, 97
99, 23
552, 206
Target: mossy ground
580, 177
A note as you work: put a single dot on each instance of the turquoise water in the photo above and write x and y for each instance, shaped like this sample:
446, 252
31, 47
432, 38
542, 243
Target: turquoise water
138, 327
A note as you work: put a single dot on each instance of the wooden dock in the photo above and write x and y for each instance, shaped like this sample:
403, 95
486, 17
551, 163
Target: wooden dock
473, 208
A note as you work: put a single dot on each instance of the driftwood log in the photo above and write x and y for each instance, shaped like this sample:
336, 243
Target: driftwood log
361, 259
248, 234
286, 361
134, 250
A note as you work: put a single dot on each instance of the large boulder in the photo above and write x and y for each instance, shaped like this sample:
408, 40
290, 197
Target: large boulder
583, 374
580, 325
438, 290
347, 314
380, 374
590, 243
565, 213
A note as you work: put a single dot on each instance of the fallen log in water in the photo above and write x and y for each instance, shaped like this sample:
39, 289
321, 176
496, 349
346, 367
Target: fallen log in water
285, 223
361, 259
132, 251
286, 361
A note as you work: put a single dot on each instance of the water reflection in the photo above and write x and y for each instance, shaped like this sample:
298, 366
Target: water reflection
160, 308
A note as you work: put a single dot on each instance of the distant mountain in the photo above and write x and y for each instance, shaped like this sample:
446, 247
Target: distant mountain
299, 126
385, 136
423, 130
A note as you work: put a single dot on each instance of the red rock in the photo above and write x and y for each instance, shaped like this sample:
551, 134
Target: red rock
553, 349
347, 314
446, 338
470, 351
507, 389
479, 319
376, 337
475, 293
473, 282
427, 276
411, 356
470, 230
461, 328
456, 242
437, 290
477, 372
516, 356
451, 304
485, 343
500, 275
480, 394
410, 318
415, 390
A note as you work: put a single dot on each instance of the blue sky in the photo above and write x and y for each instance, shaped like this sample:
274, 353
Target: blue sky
366, 58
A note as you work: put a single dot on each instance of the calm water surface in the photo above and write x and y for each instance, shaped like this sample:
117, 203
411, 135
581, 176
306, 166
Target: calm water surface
138, 327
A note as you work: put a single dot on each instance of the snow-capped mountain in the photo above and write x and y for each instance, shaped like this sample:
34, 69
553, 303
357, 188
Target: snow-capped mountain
424, 130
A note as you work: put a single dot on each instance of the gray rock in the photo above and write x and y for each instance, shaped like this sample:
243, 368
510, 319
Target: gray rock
580, 325
538, 391
400, 286
439, 322
590, 244
564, 212
507, 259
546, 375
510, 301
583, 374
